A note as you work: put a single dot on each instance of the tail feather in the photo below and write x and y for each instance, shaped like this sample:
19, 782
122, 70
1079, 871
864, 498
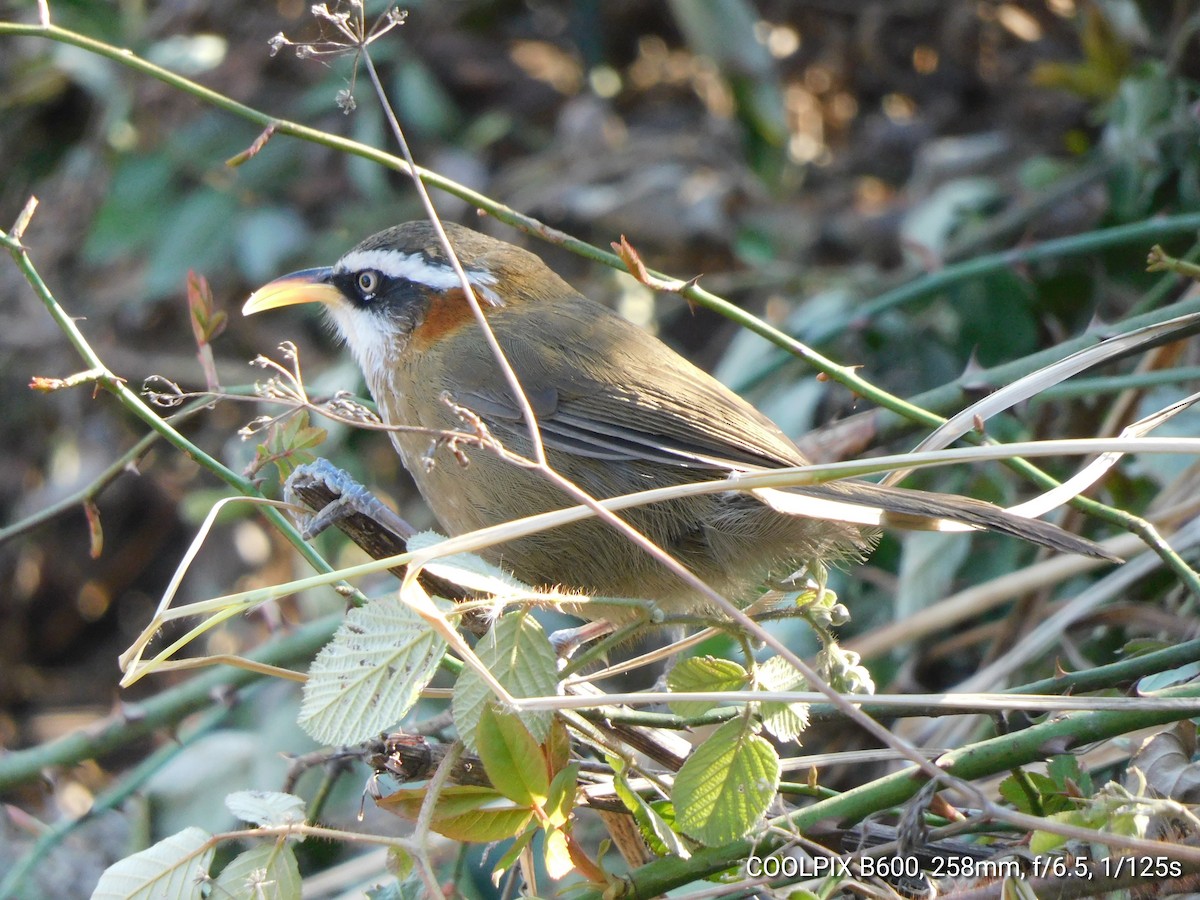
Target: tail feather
926, 511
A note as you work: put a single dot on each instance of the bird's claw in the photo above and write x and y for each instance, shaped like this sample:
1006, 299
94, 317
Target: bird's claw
351, 497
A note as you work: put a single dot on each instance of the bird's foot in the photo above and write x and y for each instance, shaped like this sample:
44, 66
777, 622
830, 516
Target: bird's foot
350, 498
566, 641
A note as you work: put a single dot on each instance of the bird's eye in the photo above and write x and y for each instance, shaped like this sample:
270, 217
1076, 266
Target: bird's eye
368, 281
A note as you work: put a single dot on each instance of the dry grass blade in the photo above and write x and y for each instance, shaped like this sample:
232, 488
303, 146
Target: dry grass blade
1048, 376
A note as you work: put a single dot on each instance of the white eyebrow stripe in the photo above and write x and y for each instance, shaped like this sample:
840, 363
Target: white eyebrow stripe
415, 267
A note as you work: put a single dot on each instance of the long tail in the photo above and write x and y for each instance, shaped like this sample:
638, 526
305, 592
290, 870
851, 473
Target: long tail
873, 505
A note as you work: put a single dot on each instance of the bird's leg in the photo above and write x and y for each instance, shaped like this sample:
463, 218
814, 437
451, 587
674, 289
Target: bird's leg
566, 641
350, 498
337, 499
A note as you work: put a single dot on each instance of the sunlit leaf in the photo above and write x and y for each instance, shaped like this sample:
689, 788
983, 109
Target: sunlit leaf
265, 872
700, 674
267, 809
368, 677
175, 867
517, 652
464, 812
511, 757
726, 785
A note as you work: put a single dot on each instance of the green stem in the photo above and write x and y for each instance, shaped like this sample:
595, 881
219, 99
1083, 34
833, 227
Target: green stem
115, 385
136, 721
506, 214
912, 411
93, 489
14, 881
1142, 233
976, 761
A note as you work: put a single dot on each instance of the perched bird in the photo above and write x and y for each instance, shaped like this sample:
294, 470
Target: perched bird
618, 412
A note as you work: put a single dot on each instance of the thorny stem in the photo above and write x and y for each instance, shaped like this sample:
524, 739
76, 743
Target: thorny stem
847, 376
109, 381
1161, 227
629, 532
132, 402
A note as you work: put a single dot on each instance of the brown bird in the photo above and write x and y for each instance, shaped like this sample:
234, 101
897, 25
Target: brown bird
618, 410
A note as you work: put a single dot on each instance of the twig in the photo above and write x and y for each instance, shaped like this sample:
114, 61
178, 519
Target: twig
135, 721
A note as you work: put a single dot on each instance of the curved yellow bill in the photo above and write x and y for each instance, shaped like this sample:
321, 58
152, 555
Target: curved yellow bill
306, 286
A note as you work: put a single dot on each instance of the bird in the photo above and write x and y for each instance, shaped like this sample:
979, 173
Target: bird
618, 412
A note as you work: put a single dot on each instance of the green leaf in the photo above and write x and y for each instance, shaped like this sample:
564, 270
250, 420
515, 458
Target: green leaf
511, 757
704, 673
265, 872
561, 798
464, 812
1049, 794
517, 652
556, 854
400, 863
369, 676
267, 809
513, 853
288, 444
135, 207
174, 867
726, 785
656, 830
1064, 769
196, 235
785, 721
267, 237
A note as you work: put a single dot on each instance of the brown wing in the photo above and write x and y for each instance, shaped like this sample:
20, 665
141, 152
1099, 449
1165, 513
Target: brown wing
621, 394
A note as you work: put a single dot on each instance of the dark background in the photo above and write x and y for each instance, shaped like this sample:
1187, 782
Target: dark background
801, 156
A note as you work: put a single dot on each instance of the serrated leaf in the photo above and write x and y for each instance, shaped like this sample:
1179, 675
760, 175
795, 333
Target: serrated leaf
726, 785
1064, 769
369, 676
785, 721
703, 673
1050, 797
464, 812
517, 652
511, 757
265, 872
267, 809
175, 867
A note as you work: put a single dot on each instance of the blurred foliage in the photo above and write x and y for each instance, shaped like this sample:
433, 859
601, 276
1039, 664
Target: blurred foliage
804, 158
